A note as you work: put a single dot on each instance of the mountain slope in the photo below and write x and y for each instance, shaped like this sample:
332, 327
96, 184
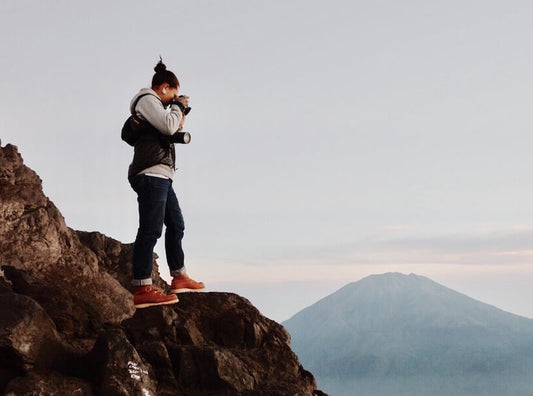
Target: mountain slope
396, 325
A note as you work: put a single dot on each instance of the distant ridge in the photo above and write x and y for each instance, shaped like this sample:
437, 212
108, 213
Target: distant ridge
392, 328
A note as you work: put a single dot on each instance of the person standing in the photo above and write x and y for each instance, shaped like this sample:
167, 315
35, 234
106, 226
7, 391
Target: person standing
150, 175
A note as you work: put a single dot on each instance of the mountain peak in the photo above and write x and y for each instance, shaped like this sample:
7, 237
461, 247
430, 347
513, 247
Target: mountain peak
394, 325
394, 297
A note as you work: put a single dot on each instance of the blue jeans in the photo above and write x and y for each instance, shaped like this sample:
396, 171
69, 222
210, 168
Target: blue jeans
158, 205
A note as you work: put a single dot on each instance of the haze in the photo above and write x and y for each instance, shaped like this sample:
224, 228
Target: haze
330, 140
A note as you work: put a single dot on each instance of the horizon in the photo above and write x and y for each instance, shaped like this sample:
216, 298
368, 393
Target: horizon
329, 141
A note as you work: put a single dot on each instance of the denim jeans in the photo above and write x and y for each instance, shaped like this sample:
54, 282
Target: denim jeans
158, 205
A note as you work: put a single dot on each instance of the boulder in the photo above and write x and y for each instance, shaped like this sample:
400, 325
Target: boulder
28, 337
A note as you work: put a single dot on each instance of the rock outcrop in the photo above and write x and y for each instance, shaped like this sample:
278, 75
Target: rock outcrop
68, 325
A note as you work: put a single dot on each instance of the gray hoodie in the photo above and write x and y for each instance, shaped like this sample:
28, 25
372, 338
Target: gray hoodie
151, 109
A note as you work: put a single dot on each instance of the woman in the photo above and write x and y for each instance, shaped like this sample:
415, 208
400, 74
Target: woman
150, 175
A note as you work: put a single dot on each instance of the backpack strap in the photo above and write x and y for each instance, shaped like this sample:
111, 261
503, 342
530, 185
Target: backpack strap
132, 110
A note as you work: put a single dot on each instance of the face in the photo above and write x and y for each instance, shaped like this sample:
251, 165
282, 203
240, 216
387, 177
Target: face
167, 93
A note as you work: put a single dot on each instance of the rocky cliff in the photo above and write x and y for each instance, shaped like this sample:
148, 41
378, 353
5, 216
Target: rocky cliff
68, 325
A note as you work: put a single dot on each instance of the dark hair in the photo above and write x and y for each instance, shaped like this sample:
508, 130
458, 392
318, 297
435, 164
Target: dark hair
162, 75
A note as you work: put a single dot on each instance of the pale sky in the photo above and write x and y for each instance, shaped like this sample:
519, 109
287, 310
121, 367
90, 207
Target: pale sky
330, 140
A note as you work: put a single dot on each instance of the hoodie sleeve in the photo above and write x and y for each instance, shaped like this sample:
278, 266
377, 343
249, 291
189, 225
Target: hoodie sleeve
151, 109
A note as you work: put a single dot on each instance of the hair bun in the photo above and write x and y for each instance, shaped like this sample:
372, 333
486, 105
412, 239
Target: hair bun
160, 67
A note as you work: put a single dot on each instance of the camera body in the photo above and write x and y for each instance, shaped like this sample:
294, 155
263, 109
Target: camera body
184, 109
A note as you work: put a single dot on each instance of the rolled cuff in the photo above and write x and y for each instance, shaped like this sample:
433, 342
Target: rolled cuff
178, 272
141, 282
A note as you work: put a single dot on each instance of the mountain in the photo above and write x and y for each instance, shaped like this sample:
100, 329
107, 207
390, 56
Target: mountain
68, 325
409, 335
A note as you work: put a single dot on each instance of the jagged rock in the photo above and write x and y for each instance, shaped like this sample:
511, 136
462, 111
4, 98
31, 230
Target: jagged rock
52, 384
156, 354
28, 339
154, 324
116, 366
23, 208
233, 323
34, 238
219, 342
71, 316
68, 325
27, 333
115, 258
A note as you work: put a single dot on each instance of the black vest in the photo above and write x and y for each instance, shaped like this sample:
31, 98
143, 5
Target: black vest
152, 148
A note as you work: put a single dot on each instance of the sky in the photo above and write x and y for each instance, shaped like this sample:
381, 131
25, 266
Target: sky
330, 140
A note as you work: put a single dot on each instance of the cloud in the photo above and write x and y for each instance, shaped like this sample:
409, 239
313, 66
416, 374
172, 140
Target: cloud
509, 246
489, 250
496, 242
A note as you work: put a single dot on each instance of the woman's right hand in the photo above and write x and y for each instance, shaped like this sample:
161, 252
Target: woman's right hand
180, 127
184, 100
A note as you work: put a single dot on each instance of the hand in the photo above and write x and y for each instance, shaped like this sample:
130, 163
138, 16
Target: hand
184, 100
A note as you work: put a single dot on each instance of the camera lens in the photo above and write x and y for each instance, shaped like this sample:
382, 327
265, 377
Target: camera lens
181, 137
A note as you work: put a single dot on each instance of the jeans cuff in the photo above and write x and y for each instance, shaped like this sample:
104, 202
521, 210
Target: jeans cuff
178, 272
141, 282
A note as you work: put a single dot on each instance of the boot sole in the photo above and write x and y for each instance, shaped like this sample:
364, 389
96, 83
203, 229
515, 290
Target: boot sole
185, 290
146, 305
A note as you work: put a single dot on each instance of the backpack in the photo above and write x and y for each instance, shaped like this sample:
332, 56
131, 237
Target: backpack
133, 126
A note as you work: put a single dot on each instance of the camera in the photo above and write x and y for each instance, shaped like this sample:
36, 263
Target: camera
181, 137
185, 110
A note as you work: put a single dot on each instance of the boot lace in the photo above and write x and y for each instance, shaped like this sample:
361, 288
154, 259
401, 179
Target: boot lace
157, 290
